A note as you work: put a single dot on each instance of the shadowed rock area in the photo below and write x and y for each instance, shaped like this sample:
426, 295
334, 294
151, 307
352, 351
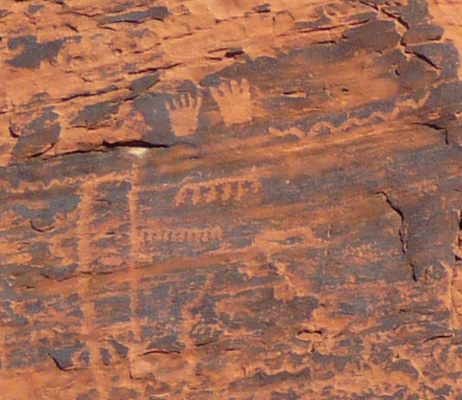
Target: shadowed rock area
230, 200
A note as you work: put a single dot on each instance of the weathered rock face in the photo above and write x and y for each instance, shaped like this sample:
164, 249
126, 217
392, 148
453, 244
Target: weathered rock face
230, 200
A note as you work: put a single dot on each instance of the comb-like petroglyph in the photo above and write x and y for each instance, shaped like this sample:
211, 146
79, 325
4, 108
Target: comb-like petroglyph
217, 190
185, 235
168, 243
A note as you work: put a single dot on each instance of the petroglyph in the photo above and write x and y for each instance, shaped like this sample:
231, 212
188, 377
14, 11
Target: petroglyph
88, 328
184, 113
217, 190
455, 294
273, 240
285, 278
7, 141
137, 256
184, 235
287, 132
234, 100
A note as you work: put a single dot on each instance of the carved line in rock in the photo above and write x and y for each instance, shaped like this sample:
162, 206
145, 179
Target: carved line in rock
89, 329
136, 257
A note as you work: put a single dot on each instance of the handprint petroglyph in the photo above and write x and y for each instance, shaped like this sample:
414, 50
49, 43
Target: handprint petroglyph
234, 100
184, 113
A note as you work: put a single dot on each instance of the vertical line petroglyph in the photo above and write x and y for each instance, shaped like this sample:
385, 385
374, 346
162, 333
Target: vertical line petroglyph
84, 237
135, 263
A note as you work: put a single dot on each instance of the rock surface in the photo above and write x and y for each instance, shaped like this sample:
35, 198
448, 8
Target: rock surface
230, 199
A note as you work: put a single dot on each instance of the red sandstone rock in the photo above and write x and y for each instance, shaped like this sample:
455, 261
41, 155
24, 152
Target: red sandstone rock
230, 200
